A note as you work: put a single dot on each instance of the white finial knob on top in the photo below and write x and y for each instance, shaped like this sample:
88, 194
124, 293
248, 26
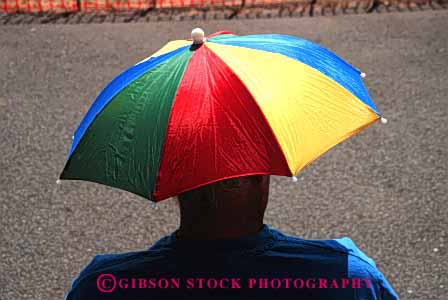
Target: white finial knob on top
197, 35
383, 120
363, 74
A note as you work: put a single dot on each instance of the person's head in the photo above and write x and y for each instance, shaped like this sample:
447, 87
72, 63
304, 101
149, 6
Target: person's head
224, 209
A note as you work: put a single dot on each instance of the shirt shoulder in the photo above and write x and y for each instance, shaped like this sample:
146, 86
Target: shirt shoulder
357, 257
358, 264
85, 282
362, 266
308, 257
357, 261
296, 244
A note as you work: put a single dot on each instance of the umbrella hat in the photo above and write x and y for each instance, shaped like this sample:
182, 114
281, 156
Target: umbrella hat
213, 107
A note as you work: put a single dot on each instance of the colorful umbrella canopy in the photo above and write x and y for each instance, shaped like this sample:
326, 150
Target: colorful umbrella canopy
209, 108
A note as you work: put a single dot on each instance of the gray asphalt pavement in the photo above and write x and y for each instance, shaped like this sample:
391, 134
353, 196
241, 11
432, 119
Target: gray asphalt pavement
386, 188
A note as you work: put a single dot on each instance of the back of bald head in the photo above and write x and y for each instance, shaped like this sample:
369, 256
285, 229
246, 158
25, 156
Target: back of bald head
236, 202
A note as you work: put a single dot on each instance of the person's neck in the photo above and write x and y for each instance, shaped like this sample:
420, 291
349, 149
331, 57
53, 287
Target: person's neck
230, 230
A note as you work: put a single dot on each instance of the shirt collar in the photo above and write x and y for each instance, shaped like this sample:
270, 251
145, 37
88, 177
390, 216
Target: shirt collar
247, 242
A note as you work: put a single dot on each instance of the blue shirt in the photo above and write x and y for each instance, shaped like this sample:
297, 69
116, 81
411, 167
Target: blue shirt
266, 265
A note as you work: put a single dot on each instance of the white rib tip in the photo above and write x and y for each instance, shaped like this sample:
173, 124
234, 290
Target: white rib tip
363, 75
198, 36
58, 181
153, 205
295, 179
383, 120
73, 137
